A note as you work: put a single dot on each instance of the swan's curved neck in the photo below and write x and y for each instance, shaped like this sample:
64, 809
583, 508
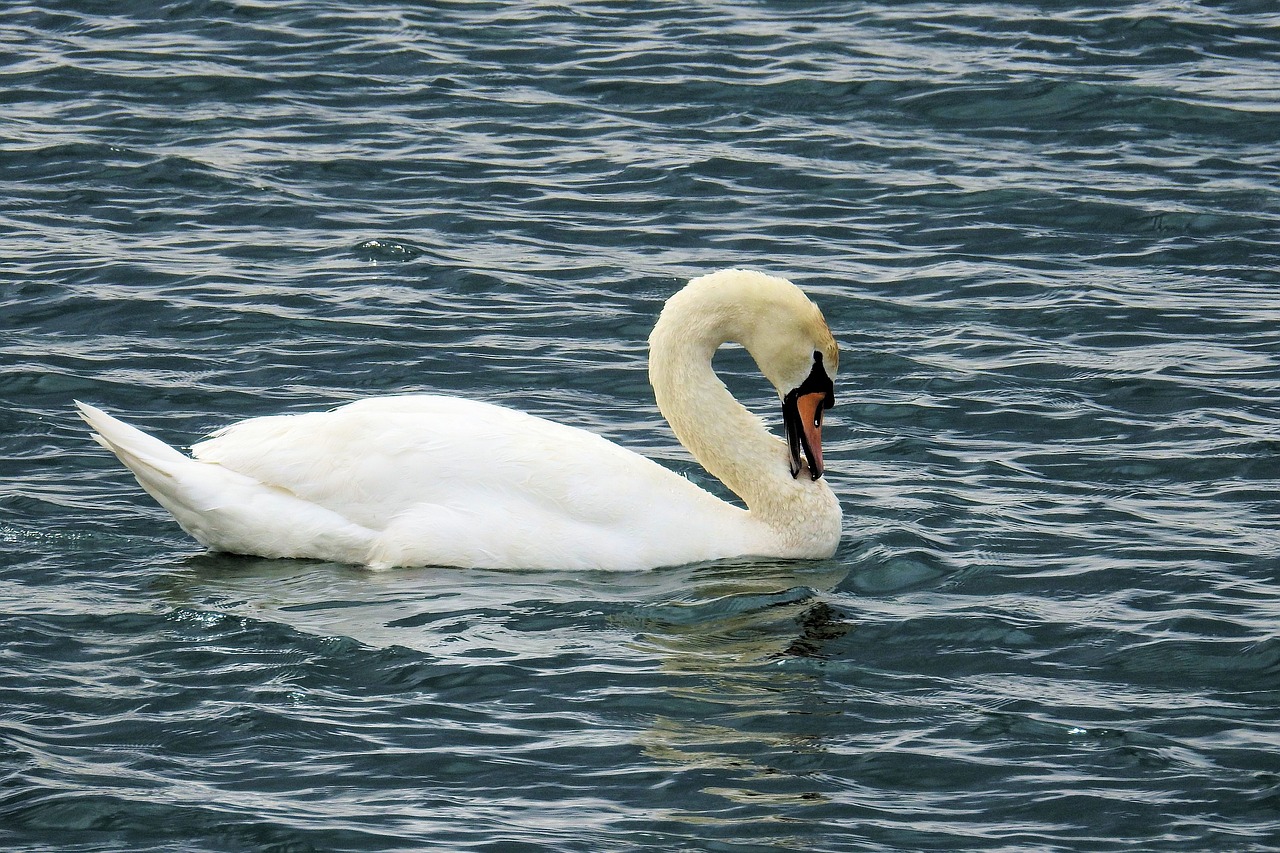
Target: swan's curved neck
730, 442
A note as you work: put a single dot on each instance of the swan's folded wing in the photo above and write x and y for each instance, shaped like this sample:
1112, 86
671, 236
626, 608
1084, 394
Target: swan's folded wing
460, 482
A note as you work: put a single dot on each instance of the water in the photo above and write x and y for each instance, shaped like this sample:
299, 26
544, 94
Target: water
1045, 235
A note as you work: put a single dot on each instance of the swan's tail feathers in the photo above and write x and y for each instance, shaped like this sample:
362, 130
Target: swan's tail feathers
223, 509
176, 481
151, 460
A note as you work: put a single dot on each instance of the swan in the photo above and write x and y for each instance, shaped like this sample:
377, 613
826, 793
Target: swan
422, 479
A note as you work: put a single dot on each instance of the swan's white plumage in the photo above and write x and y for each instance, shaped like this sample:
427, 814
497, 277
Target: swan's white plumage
425, 479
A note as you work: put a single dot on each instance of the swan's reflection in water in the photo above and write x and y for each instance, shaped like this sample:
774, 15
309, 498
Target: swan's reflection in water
709, 677
747, 720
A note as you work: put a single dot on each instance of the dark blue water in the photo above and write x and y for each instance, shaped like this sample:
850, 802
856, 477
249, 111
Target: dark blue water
1044, 234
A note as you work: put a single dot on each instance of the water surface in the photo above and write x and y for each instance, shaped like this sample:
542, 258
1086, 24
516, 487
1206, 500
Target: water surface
1044, 236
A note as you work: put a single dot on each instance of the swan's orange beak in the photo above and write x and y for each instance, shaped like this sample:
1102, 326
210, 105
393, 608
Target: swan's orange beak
809, 407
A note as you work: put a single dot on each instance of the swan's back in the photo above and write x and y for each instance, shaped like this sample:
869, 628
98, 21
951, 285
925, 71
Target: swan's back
454, 481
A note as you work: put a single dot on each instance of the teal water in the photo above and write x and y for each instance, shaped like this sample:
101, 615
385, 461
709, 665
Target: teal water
1045, 235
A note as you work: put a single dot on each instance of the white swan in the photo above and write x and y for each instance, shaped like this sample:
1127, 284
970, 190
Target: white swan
430, 480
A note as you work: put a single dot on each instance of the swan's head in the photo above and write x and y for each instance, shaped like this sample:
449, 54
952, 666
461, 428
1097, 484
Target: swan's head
790, 341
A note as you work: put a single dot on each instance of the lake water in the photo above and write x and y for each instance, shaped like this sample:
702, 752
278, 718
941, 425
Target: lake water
1044, 234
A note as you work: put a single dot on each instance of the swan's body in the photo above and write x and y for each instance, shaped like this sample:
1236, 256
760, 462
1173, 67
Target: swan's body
430, 480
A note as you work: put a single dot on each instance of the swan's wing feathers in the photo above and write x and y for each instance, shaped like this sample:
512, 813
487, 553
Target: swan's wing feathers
373, 461
444, 479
